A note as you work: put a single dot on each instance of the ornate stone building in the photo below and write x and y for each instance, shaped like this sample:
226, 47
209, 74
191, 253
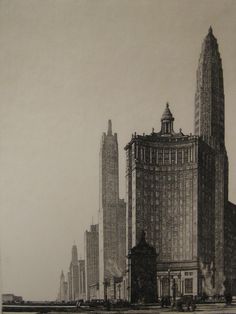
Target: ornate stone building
112, 217
163, 179
92, 263
73, 275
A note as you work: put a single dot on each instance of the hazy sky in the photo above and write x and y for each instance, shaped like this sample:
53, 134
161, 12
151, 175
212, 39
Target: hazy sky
66, 67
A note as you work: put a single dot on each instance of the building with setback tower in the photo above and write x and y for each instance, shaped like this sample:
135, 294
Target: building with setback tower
177, 191
73, 275
92, 263
111, 216
210, 125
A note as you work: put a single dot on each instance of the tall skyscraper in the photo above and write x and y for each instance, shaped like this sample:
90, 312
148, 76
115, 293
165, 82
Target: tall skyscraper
73, 275
111, 213
69, 278
63, 290
210, 125
92, 263
82, 284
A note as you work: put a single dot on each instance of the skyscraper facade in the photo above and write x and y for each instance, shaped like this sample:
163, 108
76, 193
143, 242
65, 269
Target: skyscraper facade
177, 191
92, 263
111, 213
75, 273
63, 289
82, 284
210, 125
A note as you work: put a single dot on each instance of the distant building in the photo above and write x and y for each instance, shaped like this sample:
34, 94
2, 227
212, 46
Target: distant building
112, 215
92, 263
11, 298
177, 191
82, 282
69, 278
63, 290
75, 273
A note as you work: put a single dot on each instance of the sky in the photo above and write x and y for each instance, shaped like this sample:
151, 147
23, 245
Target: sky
66, 67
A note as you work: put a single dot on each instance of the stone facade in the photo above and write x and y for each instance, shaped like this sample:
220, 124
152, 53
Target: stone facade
75, 273
165, 171
230, 249
112, 217
69, 278
63, 289
92, 262
73, 276
209, 124
82, 282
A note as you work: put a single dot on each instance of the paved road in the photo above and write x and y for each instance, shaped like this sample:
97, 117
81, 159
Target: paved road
201, 309
219, 308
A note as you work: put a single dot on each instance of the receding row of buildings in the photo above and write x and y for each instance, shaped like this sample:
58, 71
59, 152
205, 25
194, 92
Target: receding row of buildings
177, 193
73, 287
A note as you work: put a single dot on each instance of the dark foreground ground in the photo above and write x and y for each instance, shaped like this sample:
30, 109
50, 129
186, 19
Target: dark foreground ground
218, 308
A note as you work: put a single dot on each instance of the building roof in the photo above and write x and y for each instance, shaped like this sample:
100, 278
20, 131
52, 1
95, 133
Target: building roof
167, 115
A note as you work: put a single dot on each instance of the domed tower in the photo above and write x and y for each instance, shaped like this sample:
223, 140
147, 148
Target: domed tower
167, 120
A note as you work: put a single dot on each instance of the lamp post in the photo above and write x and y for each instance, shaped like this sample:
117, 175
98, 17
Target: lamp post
174, 289
169, 282
119, 286
180, 283
105, 290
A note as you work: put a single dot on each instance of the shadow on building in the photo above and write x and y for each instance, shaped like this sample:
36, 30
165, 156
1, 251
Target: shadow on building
142, 273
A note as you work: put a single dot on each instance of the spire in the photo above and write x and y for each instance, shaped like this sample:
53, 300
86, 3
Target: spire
209, 97
210, 38
167, 121
74, 254
109, 130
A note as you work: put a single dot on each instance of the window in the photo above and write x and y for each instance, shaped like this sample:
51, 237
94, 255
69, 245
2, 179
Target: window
173, 153
160, 156
166, 156
189, 285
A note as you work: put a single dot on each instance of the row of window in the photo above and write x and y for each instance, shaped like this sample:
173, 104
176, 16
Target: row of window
188, 286
164, 156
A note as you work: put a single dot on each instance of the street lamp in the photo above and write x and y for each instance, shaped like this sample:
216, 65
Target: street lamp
105, 289
169, 282
174, 289
180, 283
